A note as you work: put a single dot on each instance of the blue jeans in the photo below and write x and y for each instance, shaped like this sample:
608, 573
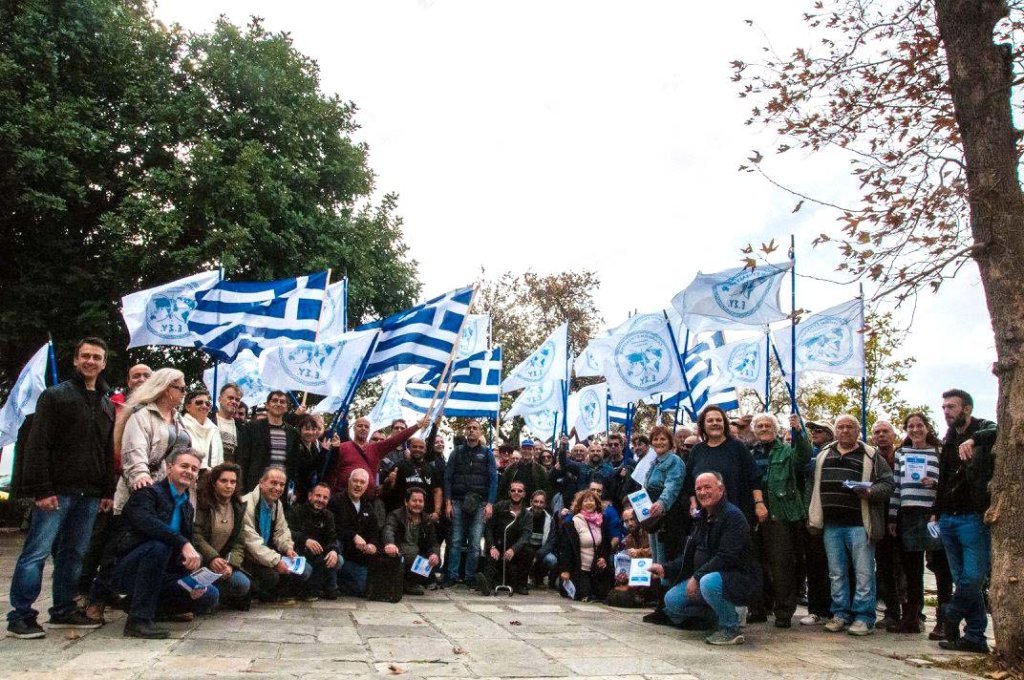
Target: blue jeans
712, 592
476, 532
968, 549
236, 586
843, 545
352, 578
149, 574
657, 548
65, 532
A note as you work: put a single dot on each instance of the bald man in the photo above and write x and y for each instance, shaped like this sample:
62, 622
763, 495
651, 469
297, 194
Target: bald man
361, 453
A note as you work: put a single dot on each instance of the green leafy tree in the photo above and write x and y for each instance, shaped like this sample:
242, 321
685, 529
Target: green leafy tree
134, 154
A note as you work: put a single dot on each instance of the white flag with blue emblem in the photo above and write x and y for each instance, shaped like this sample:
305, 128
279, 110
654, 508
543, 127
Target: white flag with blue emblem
334, 314
21, 402
317, 367
475, 337
741, 364
159, 316
593, 410
389, 407
732, 299
236, 315
549, 362
244, 371
546, 396
424, 335
831, 341
543, 425
643, 362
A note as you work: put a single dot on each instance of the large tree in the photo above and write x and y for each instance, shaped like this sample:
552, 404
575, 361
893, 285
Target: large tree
132, 154
922, 94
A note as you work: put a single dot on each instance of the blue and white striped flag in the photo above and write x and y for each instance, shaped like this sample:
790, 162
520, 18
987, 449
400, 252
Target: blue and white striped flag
700, 378
618, 415
421, 336
735, 298
236, 315
831, 341
476, 390
742, 363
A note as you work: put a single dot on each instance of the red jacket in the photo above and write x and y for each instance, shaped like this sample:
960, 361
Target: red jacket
351, 456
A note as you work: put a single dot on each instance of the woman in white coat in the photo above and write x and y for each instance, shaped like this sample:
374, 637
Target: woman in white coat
202, 429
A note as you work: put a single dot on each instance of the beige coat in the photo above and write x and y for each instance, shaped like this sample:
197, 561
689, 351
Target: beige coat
280, 540
143, 450
873, 508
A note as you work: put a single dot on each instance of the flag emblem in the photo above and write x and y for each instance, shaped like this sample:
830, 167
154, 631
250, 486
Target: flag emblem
537, 394
590, 410
167, 312
825, 340
244, 373
541, 422
310, 363
743, 293
537, 366
744, 362
467, 340
642, 360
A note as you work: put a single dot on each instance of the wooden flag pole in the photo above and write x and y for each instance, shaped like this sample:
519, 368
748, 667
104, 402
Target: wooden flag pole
455, 348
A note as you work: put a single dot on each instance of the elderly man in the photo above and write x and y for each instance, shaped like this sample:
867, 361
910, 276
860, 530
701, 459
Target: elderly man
154, 550
716, 568
814, 565
852, 485
780, 533
887, 550
268, 540
357, 530
363, 453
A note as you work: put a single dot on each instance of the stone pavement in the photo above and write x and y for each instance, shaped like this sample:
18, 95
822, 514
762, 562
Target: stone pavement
452, 633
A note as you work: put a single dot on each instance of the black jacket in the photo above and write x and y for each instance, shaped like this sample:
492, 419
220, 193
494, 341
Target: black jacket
569, 549
349, 523
306, 522
394, 532
494, 528
963, 485
70, 446
720, 543
253, 452
147, 517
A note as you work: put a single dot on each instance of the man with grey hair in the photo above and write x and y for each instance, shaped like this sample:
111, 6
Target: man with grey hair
852, 485
887, 550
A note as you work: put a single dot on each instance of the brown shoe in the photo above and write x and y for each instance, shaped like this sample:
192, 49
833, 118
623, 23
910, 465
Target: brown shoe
937, 633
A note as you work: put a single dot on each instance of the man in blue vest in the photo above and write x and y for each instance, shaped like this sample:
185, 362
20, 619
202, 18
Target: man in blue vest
471, 487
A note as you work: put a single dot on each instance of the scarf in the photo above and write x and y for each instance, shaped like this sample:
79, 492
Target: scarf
592, 518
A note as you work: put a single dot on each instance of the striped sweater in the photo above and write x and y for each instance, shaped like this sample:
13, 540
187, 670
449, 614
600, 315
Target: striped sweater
911, 493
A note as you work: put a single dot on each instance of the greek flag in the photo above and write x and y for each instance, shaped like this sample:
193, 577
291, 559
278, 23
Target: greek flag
244, 371
21, 402
701, 378
743, 363
831, 341
476, 391
334, 315
592, 409
618, 415
235, 315
317, 367
159, 316
734, 298
547, 363
421, 336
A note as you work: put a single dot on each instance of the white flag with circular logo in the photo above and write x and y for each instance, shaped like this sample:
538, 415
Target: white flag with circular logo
159, 316
643, 362
548, 362
732, 299
317, 367
741, 364
831, 341
244, 371
593, 410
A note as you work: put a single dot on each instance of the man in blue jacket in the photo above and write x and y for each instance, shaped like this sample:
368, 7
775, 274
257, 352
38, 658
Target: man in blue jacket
717, 566
471, 487
155, 550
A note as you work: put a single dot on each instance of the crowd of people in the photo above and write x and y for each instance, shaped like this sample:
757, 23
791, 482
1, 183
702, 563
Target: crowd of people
153, 501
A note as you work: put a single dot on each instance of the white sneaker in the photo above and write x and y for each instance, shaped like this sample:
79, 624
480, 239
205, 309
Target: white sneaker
812, 620
835, 625
860, 628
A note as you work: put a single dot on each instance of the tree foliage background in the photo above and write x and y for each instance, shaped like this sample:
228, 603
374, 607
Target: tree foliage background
133, 154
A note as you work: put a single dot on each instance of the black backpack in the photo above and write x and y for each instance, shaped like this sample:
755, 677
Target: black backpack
385, 579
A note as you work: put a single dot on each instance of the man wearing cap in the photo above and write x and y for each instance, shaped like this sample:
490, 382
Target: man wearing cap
526, 470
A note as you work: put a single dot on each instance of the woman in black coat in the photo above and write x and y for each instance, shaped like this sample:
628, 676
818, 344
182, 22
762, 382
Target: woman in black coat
584, 550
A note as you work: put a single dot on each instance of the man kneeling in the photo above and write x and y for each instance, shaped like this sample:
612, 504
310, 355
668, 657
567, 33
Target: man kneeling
155, 549
412, 534
268, 540
716, 568
312, 526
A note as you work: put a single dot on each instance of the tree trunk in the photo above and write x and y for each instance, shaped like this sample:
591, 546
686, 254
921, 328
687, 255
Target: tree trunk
980, 77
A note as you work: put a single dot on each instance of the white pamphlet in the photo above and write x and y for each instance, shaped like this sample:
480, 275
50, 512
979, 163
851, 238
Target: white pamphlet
850, 484
421, 566
915, 468
641, 503
198, 579
638, 574
570, 589
933, 530
296, 565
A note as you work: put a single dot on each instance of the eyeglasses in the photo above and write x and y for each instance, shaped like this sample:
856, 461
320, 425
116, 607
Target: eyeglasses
200, 402
180, 388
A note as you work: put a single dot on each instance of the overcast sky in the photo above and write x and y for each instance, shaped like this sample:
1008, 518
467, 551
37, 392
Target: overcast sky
566, 135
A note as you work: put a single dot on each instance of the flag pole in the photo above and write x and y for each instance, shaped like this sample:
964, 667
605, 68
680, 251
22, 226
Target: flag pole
863, 376
319, 320
53, 358
680, 359
767, 368
216, 362
565, 392
792, 321
792, 395
455, 348
344, 306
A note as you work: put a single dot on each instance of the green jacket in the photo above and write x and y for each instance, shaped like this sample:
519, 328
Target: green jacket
782, 492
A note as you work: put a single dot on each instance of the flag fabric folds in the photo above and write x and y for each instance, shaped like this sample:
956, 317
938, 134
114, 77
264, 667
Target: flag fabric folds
334, 314
423, 335
642, 361
701, 377
547, 396
743, 363
160, 315
732, 299
475, 337
244, 371
317, 367
593, 410
236, 315
831, 341
389, 407
475, 392
21, 402
547, 363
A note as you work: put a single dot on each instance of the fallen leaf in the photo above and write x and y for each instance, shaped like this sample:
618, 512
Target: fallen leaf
458, 650
514, 623
72, 635
395, 669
